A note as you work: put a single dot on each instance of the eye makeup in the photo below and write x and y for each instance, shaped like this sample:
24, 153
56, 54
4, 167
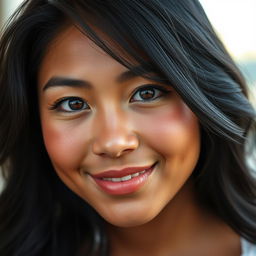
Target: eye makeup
143, 94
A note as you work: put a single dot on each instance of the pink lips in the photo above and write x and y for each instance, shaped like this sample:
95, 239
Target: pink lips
123, 187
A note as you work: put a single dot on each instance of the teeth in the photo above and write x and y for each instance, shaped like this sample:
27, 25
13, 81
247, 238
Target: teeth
128, 177
135, 174
116, 179
125, 178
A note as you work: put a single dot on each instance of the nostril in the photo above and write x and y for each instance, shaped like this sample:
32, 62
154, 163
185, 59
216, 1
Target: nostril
115, 154
114, 147
127, 151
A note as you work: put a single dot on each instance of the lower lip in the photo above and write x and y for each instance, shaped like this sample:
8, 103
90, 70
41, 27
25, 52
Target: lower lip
124, 187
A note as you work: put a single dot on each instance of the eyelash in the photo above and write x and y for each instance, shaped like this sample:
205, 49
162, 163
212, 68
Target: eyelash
161, 90
57, 104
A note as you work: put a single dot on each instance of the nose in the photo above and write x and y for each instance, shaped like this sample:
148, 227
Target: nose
115, 136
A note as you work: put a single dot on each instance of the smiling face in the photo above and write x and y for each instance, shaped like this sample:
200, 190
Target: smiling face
123, 143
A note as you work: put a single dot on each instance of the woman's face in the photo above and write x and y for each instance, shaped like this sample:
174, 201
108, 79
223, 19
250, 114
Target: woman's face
123, 143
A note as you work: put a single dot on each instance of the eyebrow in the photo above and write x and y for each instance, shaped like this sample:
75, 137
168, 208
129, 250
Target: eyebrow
58, 81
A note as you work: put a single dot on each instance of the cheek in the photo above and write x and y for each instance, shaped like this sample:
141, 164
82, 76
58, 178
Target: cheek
172, 130
63, 143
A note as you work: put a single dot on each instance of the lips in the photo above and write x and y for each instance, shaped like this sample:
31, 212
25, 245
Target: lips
120, 173
125, 181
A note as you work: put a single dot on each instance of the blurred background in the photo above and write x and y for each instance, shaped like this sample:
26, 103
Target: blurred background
233, 20
235, 23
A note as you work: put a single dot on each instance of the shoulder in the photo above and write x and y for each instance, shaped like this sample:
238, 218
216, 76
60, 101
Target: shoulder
248, 249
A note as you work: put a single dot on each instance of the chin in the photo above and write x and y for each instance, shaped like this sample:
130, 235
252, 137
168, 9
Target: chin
128, 223
130, 219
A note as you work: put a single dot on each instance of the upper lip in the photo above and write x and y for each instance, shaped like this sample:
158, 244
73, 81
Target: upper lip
120, 173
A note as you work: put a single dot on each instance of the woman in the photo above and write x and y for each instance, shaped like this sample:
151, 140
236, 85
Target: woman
124, 130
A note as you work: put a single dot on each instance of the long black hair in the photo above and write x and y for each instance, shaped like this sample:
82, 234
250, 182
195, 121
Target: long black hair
172, 39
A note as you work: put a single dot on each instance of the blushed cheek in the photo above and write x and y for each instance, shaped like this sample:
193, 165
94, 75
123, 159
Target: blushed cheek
171, 130
64, 145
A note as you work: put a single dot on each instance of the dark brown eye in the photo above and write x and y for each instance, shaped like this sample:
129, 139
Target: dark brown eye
148, 93
71, 104
76, 104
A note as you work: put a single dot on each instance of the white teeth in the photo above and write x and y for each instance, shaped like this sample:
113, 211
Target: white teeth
116, 179
125, 178
128, 177
109, 179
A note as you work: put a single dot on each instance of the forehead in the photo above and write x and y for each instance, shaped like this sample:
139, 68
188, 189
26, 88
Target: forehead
71, 42
72, 52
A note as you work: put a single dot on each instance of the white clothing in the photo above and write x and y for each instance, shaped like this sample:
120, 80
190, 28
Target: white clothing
248, 249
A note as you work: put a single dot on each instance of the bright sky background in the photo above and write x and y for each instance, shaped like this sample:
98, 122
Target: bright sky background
235, 22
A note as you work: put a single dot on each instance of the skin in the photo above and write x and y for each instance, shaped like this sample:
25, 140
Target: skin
119, 129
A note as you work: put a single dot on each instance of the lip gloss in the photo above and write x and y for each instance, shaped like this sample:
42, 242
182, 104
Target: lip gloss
123, 187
